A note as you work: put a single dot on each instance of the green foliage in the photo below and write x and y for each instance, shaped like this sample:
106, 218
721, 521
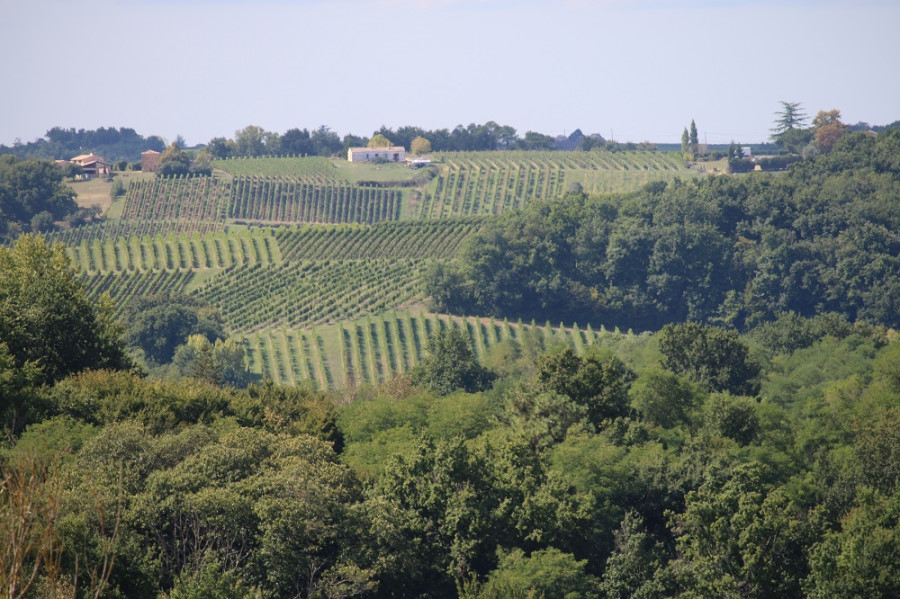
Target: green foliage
46, 318
419, 146
198, 490
636, 565
789, 131
288, 410
597, 382
451, 365
547, 573
736, 251
220, 362
790, 331
736, 538
664, 399
733, 417
29, 188
715, 358
173, 162
430, 518
115, 144
862, 558
379, 141
159, 324
209, 581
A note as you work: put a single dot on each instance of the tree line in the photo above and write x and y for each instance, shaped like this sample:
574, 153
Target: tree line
733, 251
113, 144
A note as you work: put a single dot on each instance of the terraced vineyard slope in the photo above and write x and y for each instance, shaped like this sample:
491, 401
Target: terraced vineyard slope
414, 240
486, 183
310, 292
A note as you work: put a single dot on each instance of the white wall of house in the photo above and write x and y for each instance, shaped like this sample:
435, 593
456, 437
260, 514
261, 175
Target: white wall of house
395, 154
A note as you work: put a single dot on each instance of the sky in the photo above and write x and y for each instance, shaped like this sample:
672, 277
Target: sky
630, 70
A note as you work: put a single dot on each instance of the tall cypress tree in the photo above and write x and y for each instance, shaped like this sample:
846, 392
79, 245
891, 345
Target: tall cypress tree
695, 143
686, 145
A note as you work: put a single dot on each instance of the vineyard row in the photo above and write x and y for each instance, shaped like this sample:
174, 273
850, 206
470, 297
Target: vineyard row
377, 348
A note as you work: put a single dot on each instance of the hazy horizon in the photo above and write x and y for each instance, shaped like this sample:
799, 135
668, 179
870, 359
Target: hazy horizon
633, 71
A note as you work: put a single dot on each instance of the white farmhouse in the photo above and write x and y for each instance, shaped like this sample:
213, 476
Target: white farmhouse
390, 154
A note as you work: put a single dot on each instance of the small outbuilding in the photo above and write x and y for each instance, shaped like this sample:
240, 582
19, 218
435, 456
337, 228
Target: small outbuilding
150, 161
387, 154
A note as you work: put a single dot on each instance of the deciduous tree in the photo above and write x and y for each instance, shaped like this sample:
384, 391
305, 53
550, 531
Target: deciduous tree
379, 141
450, 365
828, 129
46, 317
714, 357
420, 146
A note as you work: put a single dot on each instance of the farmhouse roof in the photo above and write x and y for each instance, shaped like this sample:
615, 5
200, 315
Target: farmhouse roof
83, 157
150, 152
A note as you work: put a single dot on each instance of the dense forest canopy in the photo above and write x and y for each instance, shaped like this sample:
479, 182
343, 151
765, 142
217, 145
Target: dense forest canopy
734, 251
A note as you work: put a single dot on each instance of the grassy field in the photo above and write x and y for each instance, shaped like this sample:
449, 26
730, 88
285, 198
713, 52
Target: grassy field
95, 192
298, 167
316, 167
363, 171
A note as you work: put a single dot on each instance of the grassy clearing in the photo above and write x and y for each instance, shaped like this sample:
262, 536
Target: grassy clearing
299, 167
366, 171
95, 192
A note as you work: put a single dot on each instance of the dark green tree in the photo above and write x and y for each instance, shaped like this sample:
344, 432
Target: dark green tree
220, 362
716, 358
597, 382
159, 324
738, 538
862, 558
694, 140
450, 365
46, 317
32, 187
431, 518
791, 116
633, 570
790, 130
173, 162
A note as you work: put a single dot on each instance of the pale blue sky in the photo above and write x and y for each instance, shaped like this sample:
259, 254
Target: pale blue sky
638, 70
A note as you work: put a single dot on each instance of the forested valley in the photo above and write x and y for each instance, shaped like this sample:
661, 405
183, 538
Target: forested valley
741, 441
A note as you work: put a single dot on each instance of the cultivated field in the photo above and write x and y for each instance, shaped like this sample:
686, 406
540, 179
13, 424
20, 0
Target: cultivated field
316, 264
375, 348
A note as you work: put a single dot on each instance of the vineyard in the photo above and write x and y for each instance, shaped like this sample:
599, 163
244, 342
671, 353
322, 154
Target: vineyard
312, 168
280, 200
413, 240
123, 287
320, 273
171, 252
312, 292
376, 348
486, 183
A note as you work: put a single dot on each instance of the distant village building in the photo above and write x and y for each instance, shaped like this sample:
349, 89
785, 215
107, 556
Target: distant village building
389, 154
150, 161
91, 165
